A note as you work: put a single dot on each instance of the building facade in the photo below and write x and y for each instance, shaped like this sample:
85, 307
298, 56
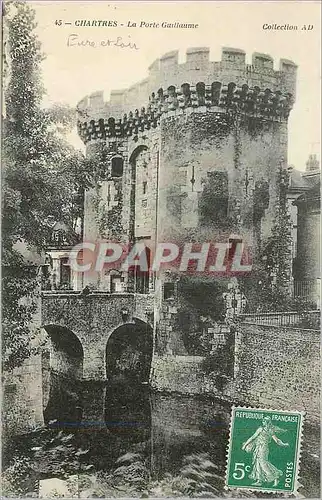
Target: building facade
192, 154
307, 209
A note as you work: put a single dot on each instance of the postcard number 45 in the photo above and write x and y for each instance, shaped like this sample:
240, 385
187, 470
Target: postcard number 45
239, 471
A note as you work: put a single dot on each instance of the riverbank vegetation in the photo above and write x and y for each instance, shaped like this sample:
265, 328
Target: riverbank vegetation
43, 178
57, 455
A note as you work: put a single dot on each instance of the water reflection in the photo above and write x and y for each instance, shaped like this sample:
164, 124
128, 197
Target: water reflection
122, 417
128, 411
185, 425
65, 404
119, 439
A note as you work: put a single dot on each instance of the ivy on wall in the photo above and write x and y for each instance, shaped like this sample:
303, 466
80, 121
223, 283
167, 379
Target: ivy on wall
108, 215
213, 202
268, 288
110, 223
109, 218
202, 307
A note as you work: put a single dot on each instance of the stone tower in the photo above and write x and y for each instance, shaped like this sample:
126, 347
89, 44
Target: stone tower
190, 154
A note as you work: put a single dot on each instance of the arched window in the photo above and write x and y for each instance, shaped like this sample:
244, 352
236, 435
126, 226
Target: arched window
215, 92
201, 89
65, 273
117, 166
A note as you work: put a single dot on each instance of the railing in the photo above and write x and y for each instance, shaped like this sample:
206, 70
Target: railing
57, 293
60, 292
283, 318
307, 291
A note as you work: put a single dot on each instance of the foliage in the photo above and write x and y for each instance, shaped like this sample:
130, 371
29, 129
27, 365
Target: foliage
19, 303
197, 343
203, 307
44, 177
18, 478
309, 322
268, 287
60, 455
205, 295
131, 472
61, 117
198, 477
213, 203
130, 476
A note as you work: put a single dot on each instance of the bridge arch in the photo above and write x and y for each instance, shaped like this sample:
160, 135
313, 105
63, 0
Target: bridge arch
67, 354
129, 350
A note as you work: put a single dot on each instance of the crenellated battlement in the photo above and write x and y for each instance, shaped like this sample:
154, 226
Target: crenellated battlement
166, 71
216, 97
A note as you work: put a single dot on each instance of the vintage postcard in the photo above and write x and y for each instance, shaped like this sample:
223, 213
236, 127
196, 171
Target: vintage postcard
161, 249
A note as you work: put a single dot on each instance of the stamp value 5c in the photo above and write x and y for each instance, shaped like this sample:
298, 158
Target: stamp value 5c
264, 450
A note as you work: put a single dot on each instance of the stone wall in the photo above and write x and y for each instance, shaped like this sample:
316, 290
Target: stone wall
122, 209
308, 246
91, 319
274, 368
197, 68
22, 403
198, 147
177, 374
278, 368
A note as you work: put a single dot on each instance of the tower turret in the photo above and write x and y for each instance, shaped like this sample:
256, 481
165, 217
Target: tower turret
191, 153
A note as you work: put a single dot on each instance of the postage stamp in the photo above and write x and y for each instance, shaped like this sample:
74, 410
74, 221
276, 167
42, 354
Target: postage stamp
264, 450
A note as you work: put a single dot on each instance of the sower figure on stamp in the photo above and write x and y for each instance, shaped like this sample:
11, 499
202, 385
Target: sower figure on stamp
258, 444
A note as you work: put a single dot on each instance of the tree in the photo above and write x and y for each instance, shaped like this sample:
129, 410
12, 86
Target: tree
44, 177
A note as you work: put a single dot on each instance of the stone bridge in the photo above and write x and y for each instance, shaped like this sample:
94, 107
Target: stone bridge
81, 328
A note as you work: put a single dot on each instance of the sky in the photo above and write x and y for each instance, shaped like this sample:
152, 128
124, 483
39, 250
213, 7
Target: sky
71, 72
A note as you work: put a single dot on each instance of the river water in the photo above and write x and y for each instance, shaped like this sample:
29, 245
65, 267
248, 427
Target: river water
122, 440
